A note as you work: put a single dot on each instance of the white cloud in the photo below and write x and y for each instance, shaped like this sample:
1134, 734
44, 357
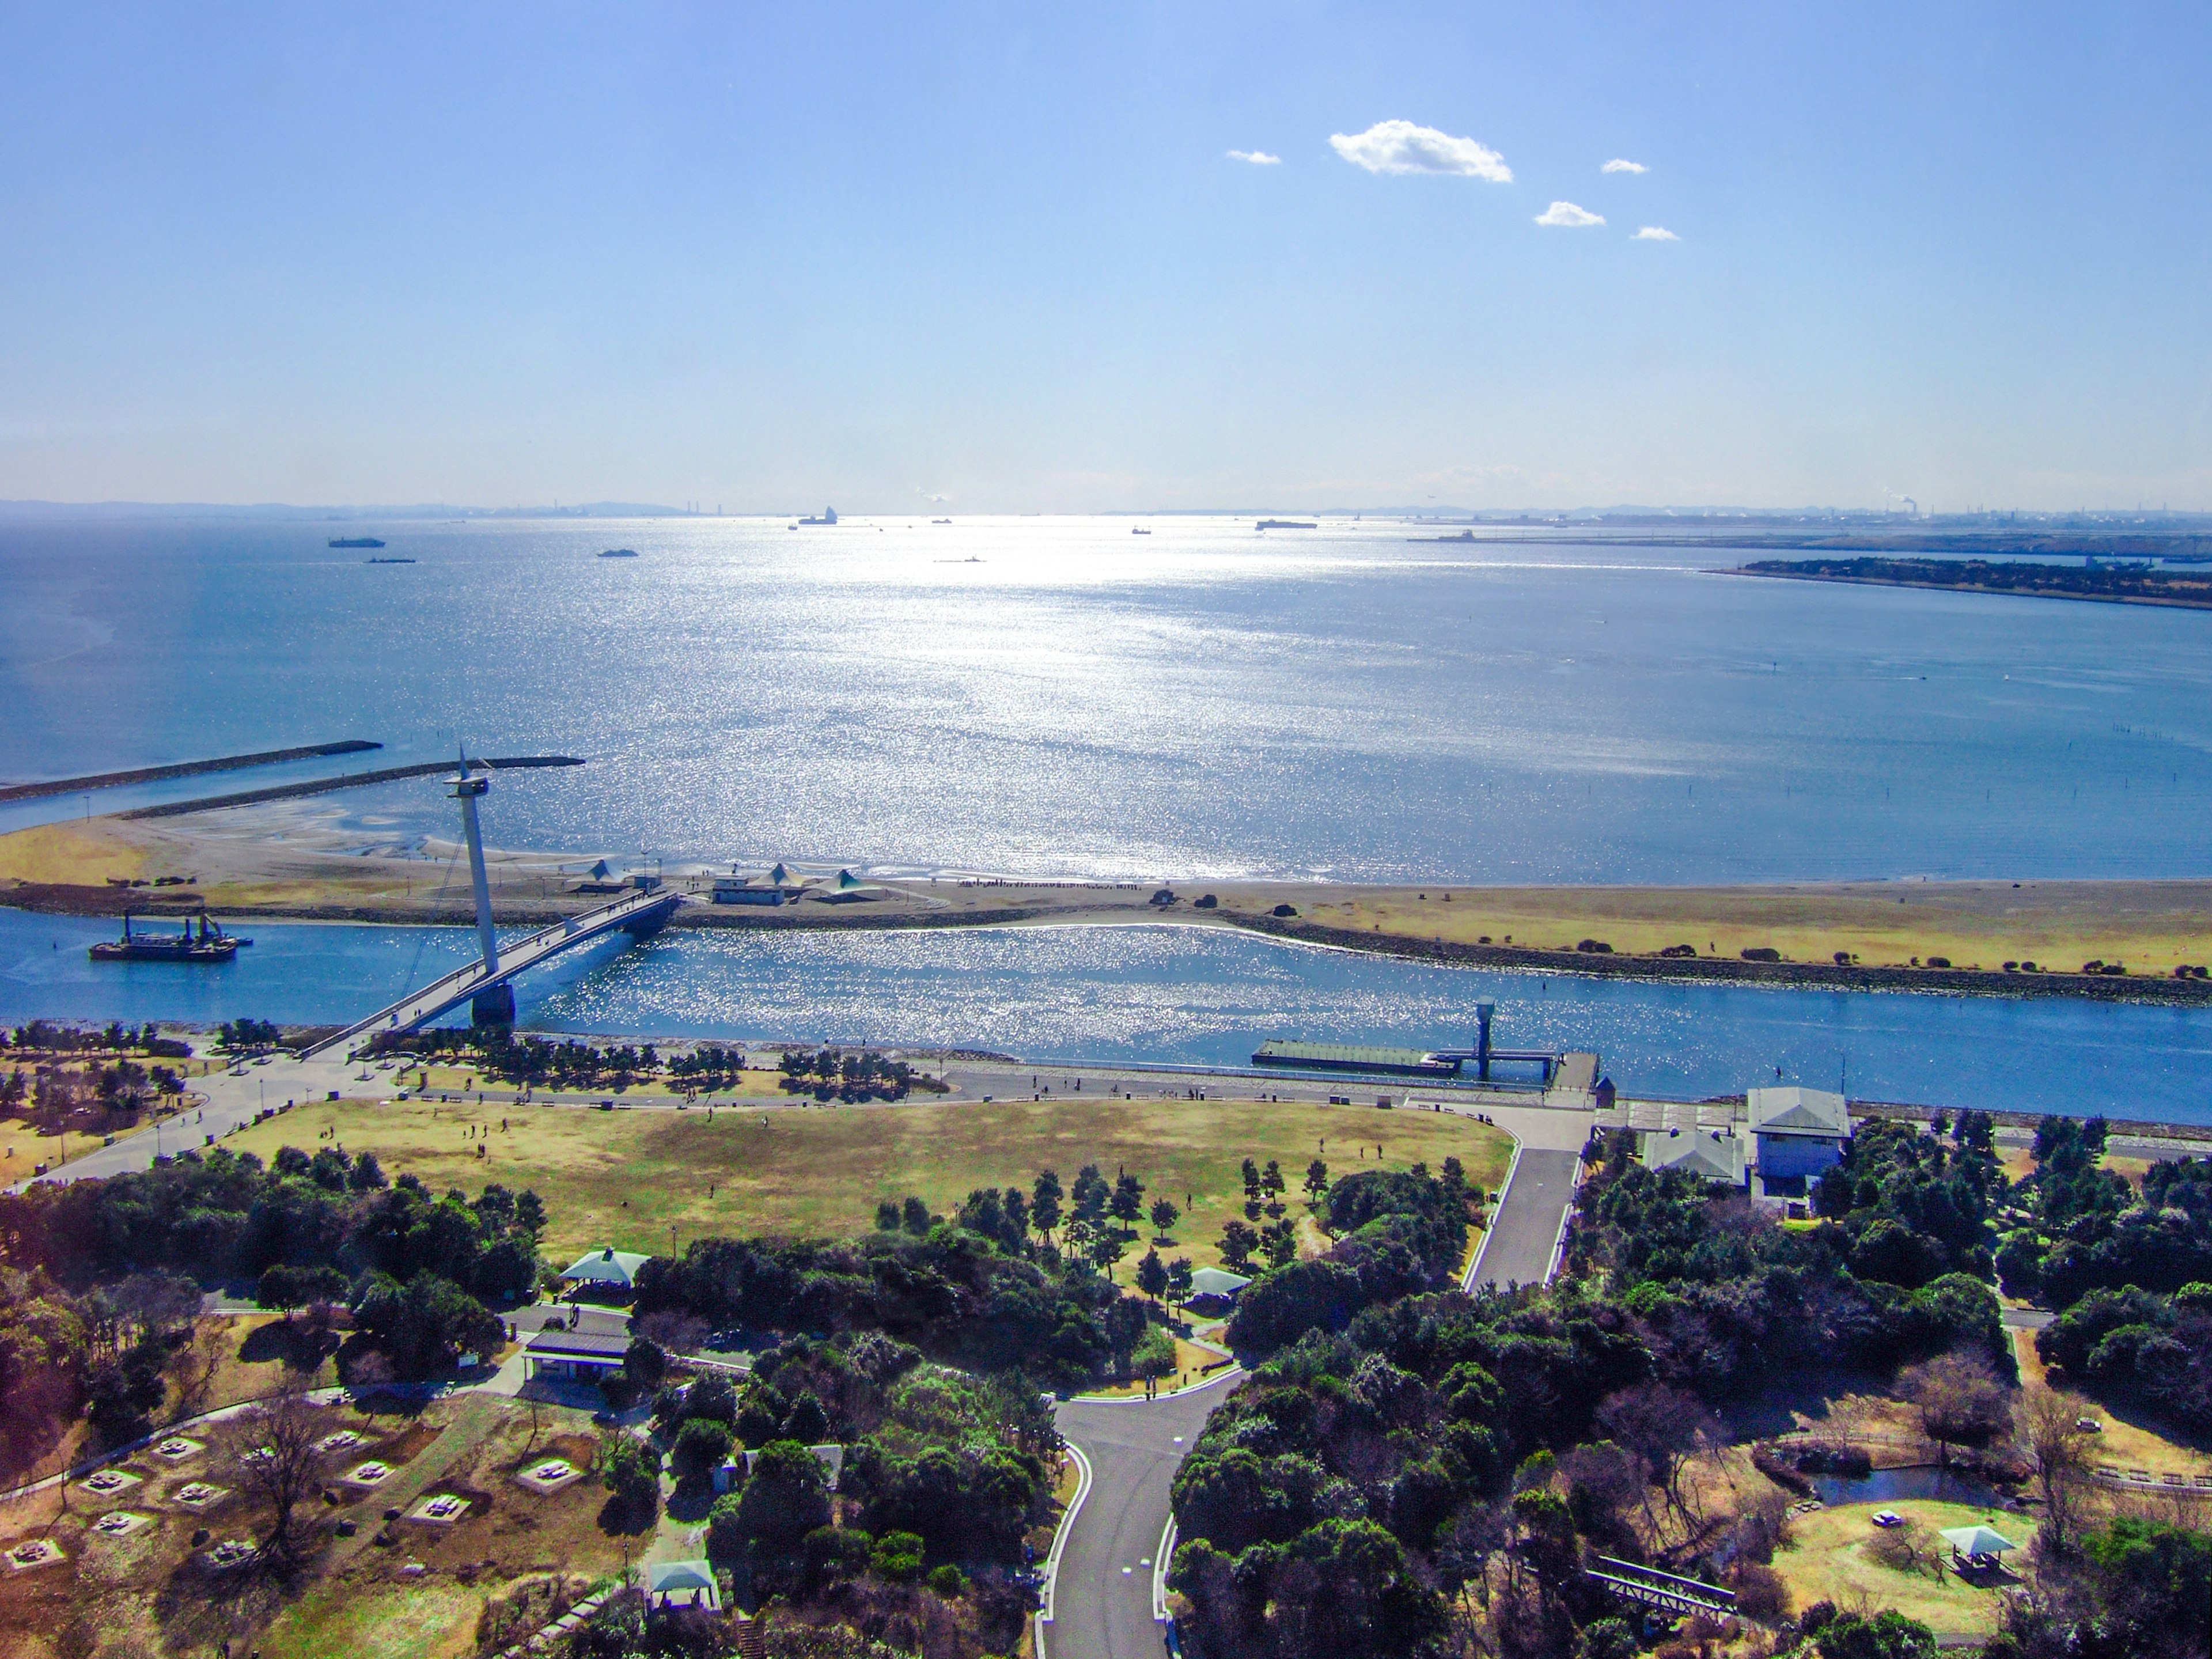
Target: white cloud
1654, 233
1566, 213
1401, 147
1618, 166
1258, 158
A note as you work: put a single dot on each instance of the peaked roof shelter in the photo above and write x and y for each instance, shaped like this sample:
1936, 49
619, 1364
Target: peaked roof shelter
617, 1269
1799, 1111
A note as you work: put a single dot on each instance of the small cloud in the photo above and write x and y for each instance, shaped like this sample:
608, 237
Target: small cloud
1654, 233
1617, 165
1401, 147
1566, 213
1258, 158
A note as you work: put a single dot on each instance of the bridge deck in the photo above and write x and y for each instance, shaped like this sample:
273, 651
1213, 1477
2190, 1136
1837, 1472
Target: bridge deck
1666, 1590
442, 996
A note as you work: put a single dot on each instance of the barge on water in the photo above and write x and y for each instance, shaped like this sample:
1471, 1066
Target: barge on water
210, 944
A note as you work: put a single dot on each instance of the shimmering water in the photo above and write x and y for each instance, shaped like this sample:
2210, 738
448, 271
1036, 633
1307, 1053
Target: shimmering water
1204, 701
1055, 696
1199, 995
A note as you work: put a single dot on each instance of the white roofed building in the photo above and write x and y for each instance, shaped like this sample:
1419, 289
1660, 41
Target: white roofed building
1706, 1154
1799, 1132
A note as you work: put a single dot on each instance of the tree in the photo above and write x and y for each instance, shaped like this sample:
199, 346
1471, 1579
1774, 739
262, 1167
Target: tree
1044, 1205
1270, 1179
1282, 1242
701, 1446
1957, 1399
1127, 1203
1667, 1427
1179, 1273
1154, 1354
1238, 1241
644, 1364
1152, 1275
1316, 1180
271, 1450
1107, 1248
784, 1498
631, 1470
2057, 1446
285, 1288
1165, 1217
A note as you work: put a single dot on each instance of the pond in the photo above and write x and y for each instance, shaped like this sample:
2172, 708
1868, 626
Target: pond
1921, 1480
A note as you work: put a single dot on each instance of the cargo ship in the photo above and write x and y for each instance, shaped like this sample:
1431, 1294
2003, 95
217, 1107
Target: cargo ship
619, 553
354, 541
1286, 524
210, 944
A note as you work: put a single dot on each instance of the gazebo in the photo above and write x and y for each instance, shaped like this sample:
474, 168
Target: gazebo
1976, 1546
683, 1583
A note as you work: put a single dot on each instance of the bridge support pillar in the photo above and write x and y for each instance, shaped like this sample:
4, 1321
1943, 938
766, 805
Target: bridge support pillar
494, 1006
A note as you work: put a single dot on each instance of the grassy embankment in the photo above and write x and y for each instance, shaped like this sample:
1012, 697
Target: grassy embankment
2152, 927
624, 1178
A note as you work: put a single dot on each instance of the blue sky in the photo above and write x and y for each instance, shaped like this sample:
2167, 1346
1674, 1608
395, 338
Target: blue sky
775, 256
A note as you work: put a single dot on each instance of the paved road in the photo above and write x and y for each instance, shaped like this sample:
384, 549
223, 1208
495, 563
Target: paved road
1518, 1250
1103, 1599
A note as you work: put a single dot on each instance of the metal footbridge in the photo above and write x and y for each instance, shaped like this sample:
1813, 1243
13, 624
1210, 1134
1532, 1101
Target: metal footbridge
1633, 1582
484, 983
633, 912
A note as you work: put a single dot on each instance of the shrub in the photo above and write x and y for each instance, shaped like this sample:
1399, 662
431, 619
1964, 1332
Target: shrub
948, 1581
898, 1557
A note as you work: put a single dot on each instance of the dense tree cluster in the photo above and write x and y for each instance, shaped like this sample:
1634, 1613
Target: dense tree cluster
416, 1267
852, 1076
961, 1297
1411, 1469
1913, 1207
47, 1036
943, 1476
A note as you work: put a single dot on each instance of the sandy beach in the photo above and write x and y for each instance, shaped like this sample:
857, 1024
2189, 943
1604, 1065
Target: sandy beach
295, 861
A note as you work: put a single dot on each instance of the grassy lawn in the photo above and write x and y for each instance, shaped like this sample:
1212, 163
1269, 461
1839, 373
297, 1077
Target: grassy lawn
1827, 1561
2125, 1443
2150, 926
625, 1177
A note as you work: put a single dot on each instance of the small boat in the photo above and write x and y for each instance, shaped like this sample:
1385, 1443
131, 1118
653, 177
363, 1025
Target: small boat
619, 553
354, 541
387, 561
210, 944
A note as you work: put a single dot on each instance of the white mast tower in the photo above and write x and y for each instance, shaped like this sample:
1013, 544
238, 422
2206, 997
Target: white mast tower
493, 1006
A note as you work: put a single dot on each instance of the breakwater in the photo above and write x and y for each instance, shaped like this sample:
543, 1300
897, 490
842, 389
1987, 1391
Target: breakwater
183, 769
343, 780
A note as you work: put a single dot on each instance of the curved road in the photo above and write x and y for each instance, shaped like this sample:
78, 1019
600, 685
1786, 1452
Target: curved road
1101, 1601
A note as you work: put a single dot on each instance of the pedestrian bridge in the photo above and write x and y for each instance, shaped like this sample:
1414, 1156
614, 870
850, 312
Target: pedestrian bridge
1633, 1582
637, 913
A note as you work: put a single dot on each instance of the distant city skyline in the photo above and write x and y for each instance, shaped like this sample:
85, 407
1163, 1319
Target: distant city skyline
983, 259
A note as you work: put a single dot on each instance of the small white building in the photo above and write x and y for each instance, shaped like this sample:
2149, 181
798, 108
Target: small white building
1706, 1154
606, 1270
1800, 1133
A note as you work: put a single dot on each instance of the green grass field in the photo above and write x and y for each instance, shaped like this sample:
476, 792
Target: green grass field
625, 1177
1827, 1560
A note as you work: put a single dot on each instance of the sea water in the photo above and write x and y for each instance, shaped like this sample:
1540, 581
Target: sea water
1058, 697
1204, 996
